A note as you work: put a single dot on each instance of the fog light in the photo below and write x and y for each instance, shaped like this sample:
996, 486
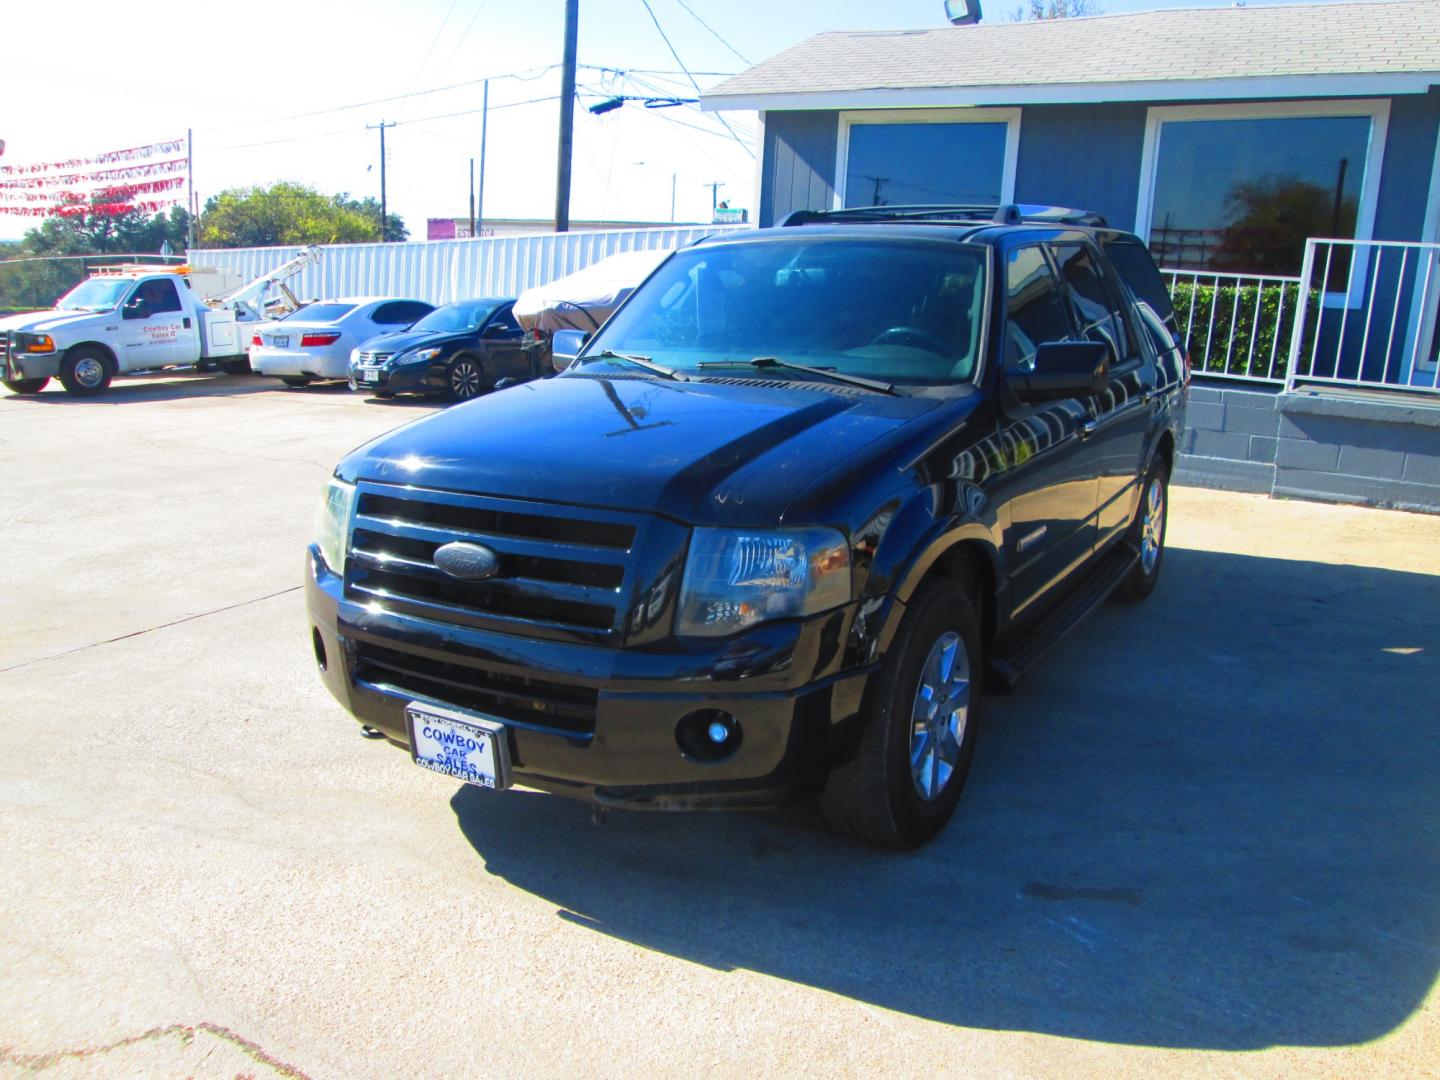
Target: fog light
708, 735
319, 644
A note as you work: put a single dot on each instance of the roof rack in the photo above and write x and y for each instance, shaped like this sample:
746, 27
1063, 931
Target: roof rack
988, 213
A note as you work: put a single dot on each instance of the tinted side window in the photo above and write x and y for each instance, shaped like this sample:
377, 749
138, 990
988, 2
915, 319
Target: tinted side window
398, 313
505, 318
415, 310
1095, 303
161, 296
1137, 269
1034, 308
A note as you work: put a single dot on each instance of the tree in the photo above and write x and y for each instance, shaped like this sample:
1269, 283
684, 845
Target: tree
1269, 220
287, 212
1042, 10
37, 282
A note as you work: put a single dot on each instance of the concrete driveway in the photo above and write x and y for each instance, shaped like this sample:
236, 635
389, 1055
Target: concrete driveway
1203, 839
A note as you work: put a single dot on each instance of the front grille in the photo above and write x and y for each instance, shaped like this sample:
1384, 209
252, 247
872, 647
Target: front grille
562, 571
374, 359
521, 699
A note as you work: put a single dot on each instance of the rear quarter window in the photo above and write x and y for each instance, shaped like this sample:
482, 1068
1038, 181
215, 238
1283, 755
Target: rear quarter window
1137, 269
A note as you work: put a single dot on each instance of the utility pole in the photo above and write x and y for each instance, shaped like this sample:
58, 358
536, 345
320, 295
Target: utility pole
479, 223
567, 117
384, 224
714, 194
472, 196
190, 188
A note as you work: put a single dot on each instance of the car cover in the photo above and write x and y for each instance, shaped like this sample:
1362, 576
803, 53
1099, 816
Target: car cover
583, 300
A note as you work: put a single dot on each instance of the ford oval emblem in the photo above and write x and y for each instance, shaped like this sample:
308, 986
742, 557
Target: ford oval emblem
468, 562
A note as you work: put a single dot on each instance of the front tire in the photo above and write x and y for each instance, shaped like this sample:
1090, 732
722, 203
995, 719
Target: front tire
920, 718
295, 382
465, 378
85, 372
25, 386
1147, 535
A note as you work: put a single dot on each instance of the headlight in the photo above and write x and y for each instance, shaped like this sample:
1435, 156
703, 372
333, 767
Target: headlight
417, 356
736, 578
39, 343
332, 523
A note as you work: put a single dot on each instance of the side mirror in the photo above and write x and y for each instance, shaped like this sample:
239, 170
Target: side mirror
565, 345
136, 308
1063, 369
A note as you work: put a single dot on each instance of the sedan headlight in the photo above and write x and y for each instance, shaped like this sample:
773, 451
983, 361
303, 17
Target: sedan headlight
736, 578
417, 356
332, 523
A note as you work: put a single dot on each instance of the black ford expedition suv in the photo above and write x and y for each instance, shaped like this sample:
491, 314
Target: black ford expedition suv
770, 533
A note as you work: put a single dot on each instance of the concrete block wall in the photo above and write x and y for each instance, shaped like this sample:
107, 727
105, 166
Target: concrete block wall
1353, 447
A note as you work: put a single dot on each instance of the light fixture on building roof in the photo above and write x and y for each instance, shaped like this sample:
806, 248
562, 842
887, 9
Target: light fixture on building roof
963, 12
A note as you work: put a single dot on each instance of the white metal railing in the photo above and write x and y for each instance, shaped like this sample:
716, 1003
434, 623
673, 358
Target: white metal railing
1367, 316
1237, 326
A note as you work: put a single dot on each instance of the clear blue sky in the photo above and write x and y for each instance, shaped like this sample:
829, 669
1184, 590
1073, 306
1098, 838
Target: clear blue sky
267, 91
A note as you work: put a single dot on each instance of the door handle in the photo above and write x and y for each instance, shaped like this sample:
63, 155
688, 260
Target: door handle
187, 322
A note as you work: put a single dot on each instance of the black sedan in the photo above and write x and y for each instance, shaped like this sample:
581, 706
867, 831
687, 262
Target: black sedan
461, 350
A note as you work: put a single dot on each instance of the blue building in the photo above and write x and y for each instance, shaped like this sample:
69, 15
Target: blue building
1283, 163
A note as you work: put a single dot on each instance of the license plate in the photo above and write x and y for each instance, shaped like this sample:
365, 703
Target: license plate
280, 341
467, 747
369, 376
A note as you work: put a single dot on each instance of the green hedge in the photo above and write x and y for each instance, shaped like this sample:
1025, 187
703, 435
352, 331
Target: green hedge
1209, 341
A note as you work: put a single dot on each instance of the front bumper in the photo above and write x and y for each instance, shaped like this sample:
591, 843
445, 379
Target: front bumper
792, 728
421, 378
22, 365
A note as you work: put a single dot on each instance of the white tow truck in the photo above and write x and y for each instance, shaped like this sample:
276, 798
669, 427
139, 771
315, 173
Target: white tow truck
133, 318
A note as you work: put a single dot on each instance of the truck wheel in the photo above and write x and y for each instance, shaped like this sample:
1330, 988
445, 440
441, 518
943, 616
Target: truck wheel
465, 378
85, 372
1147, 536
295, 381
920, 717
25, 386
239, 366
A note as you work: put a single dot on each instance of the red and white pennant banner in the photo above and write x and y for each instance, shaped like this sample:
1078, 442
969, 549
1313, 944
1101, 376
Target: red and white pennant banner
119, 191
133, 153
148, 206
101, 176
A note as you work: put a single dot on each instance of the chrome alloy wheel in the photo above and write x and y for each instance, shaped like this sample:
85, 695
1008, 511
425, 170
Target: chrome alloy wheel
942, 709
465, 379
89, 372
1152, 525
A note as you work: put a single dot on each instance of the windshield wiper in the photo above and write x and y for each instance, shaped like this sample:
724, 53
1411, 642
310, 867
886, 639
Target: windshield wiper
763, 362
638, 361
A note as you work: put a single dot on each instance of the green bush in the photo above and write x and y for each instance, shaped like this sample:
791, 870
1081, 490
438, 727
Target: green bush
1233, 308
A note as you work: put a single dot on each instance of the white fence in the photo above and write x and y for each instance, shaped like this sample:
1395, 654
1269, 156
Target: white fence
1368, 316
443, 270
1237, 325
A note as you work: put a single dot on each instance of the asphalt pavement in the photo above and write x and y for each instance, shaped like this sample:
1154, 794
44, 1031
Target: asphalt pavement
1202, 839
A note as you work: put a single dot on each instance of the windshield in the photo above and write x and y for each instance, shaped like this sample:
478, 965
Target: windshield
97, 294
321, 313
454, 318
904, 312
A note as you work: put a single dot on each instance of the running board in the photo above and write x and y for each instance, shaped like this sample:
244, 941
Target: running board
1005, 667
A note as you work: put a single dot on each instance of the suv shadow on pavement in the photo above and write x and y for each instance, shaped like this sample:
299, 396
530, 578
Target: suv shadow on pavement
1212, 827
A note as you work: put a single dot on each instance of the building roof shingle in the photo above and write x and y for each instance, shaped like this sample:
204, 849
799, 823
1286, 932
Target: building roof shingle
1393, 37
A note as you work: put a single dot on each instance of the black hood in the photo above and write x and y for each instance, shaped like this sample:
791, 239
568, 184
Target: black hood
702, 451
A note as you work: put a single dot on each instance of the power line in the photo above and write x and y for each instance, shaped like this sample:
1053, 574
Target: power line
524, 75
665, 38
463, 35
433, 42
715, 33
